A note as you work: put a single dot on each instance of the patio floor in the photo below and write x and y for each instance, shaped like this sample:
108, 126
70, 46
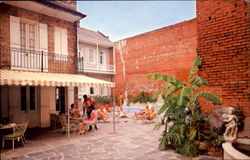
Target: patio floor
134, 139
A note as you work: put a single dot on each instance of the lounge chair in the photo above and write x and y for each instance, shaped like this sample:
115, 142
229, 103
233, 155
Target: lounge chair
18, 134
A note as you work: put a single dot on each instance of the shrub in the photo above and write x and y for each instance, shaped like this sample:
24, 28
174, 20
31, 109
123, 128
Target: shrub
102, 99
143, 97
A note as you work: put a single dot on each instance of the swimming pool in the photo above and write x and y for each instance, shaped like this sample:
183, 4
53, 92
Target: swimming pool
133, 110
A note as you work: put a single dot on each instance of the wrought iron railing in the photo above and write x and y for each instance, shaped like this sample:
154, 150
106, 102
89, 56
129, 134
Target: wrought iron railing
86, 66
23, 59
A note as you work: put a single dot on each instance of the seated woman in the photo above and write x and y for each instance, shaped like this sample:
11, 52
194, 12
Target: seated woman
91, 121
103, 115
122, 113
142, 113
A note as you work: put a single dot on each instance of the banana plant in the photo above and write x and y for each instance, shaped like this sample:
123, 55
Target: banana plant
186, 91
178, 98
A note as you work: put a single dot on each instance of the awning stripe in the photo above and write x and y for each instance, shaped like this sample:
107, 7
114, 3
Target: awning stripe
10, 77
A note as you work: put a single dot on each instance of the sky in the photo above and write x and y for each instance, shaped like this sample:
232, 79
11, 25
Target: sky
123, 19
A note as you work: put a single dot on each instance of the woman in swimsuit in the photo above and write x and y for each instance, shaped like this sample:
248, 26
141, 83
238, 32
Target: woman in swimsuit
91, 121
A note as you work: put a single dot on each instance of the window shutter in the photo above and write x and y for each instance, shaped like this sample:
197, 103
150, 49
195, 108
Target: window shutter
43, 43
57, 41
64, 41
15, 39
43, 37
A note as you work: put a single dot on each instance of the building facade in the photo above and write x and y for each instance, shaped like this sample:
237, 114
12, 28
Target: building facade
38, 60
97, 60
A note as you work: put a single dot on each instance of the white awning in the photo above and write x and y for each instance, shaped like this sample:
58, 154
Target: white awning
10, 77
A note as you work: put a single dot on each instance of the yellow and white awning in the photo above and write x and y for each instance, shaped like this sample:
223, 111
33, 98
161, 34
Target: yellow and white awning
10, 77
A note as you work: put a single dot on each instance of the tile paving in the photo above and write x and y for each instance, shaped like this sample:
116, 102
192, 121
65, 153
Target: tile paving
133, 139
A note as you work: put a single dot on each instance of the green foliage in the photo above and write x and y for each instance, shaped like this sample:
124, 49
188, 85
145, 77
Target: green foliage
143, 97
210, 97
211, 138
102, 99
181, 108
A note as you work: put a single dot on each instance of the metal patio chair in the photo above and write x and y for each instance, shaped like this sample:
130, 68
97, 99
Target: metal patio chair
18, 134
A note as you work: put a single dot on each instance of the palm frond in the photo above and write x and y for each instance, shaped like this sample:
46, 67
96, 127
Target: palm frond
213, 98
184, 96
166, 78
172, 91
170, 102
198, 81
196, 64
162, 145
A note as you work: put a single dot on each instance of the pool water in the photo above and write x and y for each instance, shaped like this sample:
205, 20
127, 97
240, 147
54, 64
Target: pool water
133, 110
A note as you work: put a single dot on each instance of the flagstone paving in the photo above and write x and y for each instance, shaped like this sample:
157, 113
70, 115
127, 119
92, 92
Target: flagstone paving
133, 139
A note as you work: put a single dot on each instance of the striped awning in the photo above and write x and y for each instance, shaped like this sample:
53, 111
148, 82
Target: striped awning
10, 77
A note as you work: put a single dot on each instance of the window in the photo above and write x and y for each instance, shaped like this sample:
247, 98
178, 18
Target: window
92, 90
61, 42
91, 55
32, 98
23, 99
101, 57
60, 99
28, 36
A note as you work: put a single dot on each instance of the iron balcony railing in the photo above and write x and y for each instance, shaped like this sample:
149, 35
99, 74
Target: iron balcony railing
86, 66
23, 59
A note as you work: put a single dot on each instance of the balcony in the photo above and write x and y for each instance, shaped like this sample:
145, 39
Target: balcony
30, 60
86, 66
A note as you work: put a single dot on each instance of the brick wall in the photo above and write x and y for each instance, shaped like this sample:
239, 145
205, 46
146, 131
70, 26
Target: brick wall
223, 33
169, 50
7, 10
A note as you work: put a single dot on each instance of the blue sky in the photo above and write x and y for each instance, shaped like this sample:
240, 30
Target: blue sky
122, 19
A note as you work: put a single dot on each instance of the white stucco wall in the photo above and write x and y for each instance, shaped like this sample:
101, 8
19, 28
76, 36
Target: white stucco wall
48, 105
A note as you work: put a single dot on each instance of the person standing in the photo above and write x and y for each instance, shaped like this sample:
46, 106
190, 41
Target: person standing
120, 99
88, 102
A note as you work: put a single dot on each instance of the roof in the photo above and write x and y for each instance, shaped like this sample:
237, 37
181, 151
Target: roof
62, 7
95, 36
11, 77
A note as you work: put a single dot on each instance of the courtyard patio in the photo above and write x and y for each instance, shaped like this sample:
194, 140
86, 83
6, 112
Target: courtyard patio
133, 139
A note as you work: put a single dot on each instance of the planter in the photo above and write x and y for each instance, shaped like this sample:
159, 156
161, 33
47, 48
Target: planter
230, 152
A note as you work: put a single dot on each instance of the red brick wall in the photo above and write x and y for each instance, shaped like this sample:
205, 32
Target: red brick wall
169, 50
223, 33
7, 10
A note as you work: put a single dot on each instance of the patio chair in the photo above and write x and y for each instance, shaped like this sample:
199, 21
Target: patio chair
64, 122
55, 120
26, 126
18, 134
